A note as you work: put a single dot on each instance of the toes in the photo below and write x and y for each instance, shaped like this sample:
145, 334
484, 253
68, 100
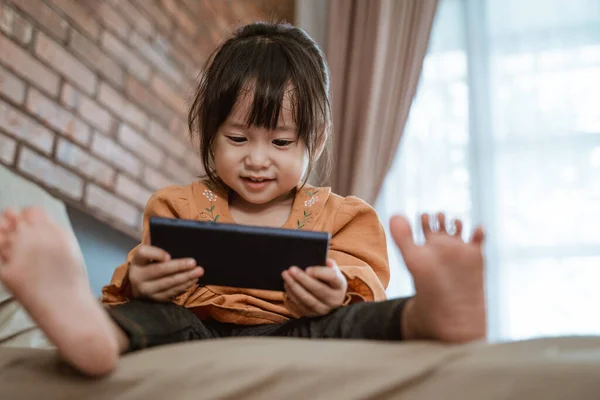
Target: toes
5, 247
9, 220
34, 215
458, 227
425, 225
478, 236
401, 233
441, 218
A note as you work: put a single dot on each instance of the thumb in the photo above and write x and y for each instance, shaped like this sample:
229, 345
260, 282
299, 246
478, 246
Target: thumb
331, 263
402, 234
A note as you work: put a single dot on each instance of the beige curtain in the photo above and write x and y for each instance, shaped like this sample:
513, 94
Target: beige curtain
375, 51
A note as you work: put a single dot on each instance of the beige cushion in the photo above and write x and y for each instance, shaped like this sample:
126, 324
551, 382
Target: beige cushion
16, 328
268, 368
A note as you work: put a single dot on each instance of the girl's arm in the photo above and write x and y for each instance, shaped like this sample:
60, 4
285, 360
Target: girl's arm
358, 246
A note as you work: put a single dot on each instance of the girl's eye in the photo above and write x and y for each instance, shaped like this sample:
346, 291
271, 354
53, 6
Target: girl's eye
282, 142
237, 139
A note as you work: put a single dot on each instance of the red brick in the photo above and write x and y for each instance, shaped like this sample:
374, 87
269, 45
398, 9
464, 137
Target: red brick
57, 117
191, 67
8, 150
24, 65
25, 128
111, 205
11, 86
160, 61
63, 62
7, 19
116, 155
155, 179
139, 145
96, 58
70, 97
179, 127
144, 98
198, 50
180, 16
80, 160
193, 162
22, 30
166, 140
80, 15
179, 172
194, 6
88, 109
139, 21
14, 25
156, 13
132, 191
46, 18
124, 54
112, 20
112, 100
42, 170
170, 97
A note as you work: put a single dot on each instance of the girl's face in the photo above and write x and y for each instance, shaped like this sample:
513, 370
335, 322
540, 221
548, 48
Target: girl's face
261, 166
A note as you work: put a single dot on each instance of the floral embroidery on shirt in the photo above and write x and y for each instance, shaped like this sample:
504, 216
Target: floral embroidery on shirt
307, 215
209, 212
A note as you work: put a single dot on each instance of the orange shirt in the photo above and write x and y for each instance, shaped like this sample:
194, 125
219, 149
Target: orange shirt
358, 245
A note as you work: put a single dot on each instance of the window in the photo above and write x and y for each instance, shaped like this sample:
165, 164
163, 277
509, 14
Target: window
505, 131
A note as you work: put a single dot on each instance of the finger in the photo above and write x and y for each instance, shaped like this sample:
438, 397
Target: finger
148, 254
323, 292
297, 303
458, 227
160, 270
425, 226
478, 236
331, 276
441, 218
169, 282
175, 291
304, 297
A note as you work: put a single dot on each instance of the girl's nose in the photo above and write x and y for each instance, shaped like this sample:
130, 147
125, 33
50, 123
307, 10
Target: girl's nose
257, 158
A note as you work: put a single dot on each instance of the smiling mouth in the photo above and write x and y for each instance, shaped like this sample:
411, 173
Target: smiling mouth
257, 180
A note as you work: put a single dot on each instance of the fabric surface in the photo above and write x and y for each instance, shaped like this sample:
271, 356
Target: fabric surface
16, 327
149, 324
358, 245
280, 368
375, 52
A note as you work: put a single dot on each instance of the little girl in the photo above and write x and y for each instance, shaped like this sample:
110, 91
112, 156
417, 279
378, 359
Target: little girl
263, 119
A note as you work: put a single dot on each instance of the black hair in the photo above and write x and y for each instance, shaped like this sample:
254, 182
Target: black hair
268, 59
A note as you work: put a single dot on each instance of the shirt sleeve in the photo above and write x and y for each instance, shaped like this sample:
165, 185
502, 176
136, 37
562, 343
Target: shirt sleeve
170, 202
358, 246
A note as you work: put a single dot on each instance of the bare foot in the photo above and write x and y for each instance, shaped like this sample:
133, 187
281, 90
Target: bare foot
39, 265
449, 304
8, 225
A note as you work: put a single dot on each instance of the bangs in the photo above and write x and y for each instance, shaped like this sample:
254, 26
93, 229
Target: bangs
271, 73
268, 80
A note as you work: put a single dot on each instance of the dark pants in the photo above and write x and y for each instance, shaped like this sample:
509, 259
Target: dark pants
149, 324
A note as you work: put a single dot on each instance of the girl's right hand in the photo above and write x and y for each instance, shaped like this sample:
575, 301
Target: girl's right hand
153, 275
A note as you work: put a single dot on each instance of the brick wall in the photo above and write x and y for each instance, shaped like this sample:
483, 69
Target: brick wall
94, 94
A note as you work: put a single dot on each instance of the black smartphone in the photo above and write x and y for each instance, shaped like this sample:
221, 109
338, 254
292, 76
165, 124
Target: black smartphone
240, 255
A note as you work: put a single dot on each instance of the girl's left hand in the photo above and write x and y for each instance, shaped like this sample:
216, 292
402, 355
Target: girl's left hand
316, 291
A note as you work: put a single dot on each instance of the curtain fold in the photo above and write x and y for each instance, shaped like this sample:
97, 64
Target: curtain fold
375, 52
